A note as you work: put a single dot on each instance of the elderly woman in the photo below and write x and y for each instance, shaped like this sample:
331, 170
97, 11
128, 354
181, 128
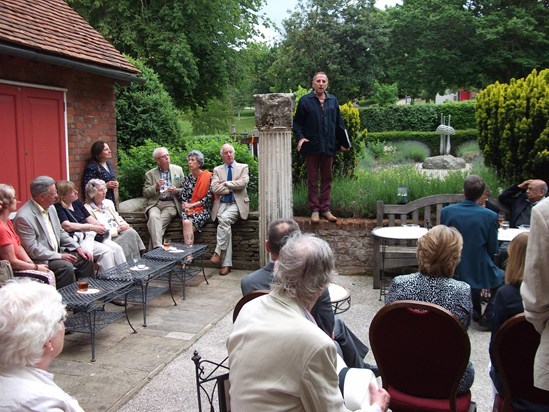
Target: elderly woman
77, 221
10, 244
32, 333
299, 362
196, 196
438, 254
100, 167
103, 210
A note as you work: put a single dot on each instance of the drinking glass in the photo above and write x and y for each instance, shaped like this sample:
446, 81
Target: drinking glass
166, 244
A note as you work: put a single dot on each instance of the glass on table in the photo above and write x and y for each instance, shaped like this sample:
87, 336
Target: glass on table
166, 243
505, 224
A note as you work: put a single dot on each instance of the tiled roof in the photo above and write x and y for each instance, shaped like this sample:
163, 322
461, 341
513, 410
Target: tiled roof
52, 27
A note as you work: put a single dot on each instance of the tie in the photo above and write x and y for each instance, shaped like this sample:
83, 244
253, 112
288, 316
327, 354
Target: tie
229, 198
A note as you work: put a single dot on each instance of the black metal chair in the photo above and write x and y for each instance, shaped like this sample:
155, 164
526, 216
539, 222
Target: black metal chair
212, 377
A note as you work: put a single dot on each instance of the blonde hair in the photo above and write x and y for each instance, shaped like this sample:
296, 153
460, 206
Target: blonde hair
439, 251
64, 187
7, 194
515, 263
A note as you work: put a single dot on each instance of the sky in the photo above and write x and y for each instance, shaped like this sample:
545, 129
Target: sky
277, 10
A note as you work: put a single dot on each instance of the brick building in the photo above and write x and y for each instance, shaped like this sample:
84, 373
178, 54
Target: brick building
57, 79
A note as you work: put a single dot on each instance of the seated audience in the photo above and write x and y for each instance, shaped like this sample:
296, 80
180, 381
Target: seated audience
352, 349
520, 199
44, 239
196, 196
279, 358
100, 167
10, 244
438, 254
103, 210
161, 188
83, 227
32, 334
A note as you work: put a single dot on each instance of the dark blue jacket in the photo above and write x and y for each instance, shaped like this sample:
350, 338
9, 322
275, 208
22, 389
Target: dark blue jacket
324, 129
516, 200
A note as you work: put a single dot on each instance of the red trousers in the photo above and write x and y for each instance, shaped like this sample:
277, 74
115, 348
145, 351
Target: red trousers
319, 166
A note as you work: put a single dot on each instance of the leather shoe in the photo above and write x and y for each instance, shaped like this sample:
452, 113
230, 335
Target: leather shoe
329, 217
215, 259
315, 218
224, 270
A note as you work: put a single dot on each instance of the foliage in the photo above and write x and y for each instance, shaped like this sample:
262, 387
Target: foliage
212, 119
469, 151
145, 111
417, 117
135, 162
451, 44
384, 94
513, 122
407, 151
192, 44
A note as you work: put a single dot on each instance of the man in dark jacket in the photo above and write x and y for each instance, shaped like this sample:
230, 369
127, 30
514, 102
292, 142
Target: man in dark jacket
520, 199
320, 132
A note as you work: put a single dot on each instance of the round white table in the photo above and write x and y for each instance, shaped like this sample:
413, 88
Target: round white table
340, 298
389, 233
506, 235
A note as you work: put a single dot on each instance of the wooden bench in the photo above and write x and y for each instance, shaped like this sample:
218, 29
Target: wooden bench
424, 212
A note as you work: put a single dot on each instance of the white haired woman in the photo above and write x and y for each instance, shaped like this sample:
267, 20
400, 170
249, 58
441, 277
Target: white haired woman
32, 334
104, 211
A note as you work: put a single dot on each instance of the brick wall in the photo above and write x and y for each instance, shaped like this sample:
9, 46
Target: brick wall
90, 105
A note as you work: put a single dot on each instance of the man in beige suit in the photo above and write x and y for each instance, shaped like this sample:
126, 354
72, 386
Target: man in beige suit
229, 184
161, 188
535, 288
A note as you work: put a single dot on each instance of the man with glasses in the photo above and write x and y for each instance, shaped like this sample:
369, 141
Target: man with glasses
520, 199
38, 226
161, 188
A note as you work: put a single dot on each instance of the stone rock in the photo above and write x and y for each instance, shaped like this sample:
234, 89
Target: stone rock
133, 205
446, 162
274, 110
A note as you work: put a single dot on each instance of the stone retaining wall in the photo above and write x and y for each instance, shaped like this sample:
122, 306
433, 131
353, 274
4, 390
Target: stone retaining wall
350, 239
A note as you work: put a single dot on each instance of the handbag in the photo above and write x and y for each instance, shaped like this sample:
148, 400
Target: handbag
100, 237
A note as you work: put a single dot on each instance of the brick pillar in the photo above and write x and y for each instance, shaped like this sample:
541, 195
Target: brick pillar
273, 118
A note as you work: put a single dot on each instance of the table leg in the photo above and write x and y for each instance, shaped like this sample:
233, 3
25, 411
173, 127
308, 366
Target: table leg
382, 275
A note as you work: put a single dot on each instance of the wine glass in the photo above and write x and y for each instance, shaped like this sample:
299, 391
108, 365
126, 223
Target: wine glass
135, 259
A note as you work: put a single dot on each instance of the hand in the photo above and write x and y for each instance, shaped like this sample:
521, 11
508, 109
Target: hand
121, 228
113, 184
524, 185
160, 183
300, 143
343, 149
379, 396
99, 229
68, 257
43, 268
172, 189
85, 255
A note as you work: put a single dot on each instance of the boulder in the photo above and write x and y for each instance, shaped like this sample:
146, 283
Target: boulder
446, 162
133, 205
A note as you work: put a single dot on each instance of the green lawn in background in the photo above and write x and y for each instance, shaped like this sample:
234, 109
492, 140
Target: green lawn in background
246, 123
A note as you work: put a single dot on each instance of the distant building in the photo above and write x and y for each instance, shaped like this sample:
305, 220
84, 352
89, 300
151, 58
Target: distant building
459, 96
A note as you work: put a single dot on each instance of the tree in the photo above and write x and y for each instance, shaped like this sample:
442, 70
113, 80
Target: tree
192, 44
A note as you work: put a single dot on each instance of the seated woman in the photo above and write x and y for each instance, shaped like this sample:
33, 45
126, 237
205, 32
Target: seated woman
196, 195
438, 254
77, 221
32, 334
100, 167
10, 244
103, 210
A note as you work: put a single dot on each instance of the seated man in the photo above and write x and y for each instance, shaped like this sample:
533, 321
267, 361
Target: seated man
161, 188
520, 199
279, 359
229, 183
352, 349
37, 224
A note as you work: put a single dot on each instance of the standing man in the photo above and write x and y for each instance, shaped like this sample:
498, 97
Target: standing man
520, 199
229, 183
535, 289
320, 132
161, 188
38, 226
479, 228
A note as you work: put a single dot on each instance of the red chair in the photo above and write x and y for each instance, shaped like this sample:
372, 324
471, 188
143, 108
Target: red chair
422, 352
245, 299
515, 347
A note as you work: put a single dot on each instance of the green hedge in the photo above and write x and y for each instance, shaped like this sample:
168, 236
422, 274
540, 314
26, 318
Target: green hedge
418, 117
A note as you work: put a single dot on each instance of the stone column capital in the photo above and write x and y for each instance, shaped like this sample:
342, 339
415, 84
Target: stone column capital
274, 110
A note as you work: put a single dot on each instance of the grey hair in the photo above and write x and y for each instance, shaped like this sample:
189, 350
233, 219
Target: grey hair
91, 188
7, 194
197, 155
31, 314
305, 266
158, 149
223, 145
41, 185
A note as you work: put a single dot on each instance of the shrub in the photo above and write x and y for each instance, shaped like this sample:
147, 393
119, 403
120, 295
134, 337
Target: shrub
410, 151
470, 152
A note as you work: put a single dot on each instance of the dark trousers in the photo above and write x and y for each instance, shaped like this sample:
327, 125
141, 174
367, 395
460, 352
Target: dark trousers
65, 271
319, 166
488, 314
353, 350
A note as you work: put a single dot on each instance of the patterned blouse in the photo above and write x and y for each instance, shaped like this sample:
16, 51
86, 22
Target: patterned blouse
186, 193
94, 170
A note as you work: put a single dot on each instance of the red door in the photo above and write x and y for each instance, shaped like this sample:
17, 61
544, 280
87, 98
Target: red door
32, 130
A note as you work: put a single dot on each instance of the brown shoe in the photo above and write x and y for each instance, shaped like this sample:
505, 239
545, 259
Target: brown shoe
215, 259
315, 218
224, 270
329, 216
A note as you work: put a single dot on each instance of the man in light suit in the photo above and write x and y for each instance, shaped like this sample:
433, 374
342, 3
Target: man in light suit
161, 188
37, 224
479, 228
229, 183
535, 288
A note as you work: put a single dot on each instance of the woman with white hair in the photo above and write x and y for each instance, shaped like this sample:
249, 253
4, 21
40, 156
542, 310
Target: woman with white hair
279, 358
32, 334
104, 211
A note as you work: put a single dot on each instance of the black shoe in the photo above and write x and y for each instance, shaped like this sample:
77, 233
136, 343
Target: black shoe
485, 324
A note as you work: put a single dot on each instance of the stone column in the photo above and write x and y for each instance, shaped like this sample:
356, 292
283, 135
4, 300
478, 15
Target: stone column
273, 118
